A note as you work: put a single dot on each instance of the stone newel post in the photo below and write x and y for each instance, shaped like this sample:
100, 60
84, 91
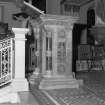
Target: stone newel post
19, 82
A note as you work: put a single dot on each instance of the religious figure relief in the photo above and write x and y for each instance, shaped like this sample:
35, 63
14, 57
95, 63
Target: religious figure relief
61, 51
100, 11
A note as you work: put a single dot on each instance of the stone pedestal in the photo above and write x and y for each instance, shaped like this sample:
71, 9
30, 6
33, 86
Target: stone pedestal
56, 52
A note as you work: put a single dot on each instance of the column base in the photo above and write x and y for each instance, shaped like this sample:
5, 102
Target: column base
57, 82
20, 84
35, 79
8, 95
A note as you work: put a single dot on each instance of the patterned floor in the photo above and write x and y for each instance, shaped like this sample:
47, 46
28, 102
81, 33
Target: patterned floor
41, 98
91, 93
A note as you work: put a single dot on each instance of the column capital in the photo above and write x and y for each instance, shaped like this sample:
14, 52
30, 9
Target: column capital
20, 32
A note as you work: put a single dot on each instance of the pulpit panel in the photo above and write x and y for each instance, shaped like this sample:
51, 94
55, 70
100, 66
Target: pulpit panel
55, 49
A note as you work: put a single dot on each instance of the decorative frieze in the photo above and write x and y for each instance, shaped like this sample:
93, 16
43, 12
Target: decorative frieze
59, 20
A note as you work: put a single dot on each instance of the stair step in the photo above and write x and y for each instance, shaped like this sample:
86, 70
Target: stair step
59, 78
60, 83
59, 86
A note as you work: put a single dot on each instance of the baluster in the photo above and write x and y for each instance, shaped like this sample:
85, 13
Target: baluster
46, 63
50, 42
46, 43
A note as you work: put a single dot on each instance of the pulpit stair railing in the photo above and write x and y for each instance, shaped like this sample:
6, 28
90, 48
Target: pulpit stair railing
6, 60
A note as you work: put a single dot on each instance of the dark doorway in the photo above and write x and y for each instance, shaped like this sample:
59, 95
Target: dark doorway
77, 30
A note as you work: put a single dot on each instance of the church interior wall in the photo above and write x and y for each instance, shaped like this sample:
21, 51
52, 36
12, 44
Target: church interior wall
9, 9
53, 6
83, 12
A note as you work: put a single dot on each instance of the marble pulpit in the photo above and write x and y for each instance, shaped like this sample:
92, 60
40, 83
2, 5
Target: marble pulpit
53, 52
